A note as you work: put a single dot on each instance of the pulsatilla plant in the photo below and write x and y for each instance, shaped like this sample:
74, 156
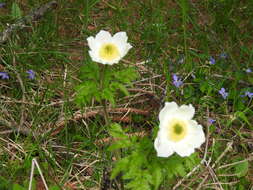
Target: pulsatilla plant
149, 163
138, 158
102, 77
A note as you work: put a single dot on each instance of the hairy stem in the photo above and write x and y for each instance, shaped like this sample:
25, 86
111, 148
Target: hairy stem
102, 77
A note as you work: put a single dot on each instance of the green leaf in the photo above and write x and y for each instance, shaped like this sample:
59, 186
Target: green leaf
157, 176
120, 144
17, 187
107, 94
241, 169
54, 187
116, 131
181, 170
16, 12
86, 91
191, 161
138, 184
121, 87
126, 75
120, 166
122, 141
4, 184
242, 116
89, 71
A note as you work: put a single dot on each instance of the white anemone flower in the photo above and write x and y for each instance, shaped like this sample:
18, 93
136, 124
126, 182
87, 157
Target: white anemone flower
177, 131
108, 49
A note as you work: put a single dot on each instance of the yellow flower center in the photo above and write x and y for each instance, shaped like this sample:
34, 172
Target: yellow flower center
108, 52
177, 130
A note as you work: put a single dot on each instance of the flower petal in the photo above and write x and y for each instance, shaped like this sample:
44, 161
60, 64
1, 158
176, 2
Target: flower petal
186, 112
103, 39
92, 43
94, 56
163, 149
120, 37
197, 136
171, 117
169, 108
103, 36
183, 149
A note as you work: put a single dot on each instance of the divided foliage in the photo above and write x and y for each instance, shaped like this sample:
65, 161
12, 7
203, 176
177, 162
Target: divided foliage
141, 168
102, 82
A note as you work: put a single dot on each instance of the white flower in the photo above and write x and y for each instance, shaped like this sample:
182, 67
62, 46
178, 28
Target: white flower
108, 49
177, 131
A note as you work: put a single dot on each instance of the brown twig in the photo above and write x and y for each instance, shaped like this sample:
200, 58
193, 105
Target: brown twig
123, 119
21, 23
130, 110
78, 116
110, 139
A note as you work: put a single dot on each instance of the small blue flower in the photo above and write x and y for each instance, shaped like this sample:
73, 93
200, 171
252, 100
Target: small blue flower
223, 93
211, 121
177, 81
212, 60
249, 94
31, 74
2, 5
223, 55
248, 70
4, 75
193, 76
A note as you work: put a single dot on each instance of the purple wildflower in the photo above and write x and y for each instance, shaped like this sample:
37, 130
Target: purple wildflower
176, 81
193, 76
31, 74
4, 75
249, 94
212, 60
211, 121
223, 55
2, 5
223, 92
248, 70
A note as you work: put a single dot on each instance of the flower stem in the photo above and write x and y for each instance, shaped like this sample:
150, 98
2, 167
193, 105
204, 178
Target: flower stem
102, 77
106, 116
117, 153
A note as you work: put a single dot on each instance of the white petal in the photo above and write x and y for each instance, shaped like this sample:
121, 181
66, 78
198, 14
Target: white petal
168, 109
186, 112
123, 48
94, 57
93, 44
194, 140
103, 36
183, 149
120, 37
110, 62
197, 136
127, 48
163, 149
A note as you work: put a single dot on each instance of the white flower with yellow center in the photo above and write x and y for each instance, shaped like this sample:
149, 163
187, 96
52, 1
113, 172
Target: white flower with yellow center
177, 131
108, 49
